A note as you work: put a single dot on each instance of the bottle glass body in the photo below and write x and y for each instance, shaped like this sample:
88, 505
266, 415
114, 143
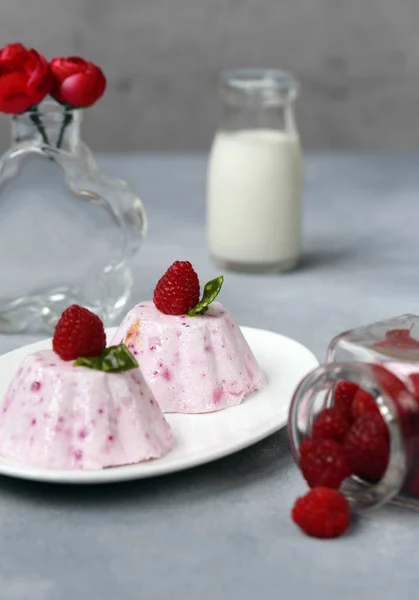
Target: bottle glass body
254, 182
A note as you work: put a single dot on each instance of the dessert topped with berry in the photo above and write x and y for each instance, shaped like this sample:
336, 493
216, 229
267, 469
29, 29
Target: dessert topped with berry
192, 353
81, 405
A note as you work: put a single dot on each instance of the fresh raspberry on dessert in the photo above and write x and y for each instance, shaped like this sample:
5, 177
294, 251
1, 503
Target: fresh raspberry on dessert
79, 332
325, 465
178, 290
343, 397
367, 446
322, 513
331, 423
363, 403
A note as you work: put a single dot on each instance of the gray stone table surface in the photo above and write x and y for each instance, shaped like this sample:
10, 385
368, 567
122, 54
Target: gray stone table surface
223, 530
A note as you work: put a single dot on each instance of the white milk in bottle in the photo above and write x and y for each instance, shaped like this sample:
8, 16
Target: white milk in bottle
255, 175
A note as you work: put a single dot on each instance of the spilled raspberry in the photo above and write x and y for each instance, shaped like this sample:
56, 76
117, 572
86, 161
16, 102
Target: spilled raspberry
363, 403
343, 397
322, 513
331, 423
367, 447
325, 464
307, 446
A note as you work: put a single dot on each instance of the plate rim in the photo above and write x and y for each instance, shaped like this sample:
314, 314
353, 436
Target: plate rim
131, 472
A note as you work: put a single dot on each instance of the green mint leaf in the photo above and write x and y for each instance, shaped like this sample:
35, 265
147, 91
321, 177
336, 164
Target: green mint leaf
114, 359
92, 362
211, 291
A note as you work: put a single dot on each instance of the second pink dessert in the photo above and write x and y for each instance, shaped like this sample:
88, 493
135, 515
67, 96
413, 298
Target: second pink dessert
192, 364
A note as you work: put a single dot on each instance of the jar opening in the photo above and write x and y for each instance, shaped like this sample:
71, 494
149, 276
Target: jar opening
316, 392
267, 86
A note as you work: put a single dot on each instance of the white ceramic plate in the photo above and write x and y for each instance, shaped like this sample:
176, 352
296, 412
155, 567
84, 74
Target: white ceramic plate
202, 438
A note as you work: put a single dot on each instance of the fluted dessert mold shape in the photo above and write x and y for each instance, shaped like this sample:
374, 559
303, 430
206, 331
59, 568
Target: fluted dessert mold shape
194, 364
56, 415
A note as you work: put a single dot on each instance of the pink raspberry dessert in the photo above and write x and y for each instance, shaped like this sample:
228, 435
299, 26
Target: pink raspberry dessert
56, 415
193, 364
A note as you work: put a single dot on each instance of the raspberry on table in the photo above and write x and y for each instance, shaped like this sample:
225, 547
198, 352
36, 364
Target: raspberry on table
330, 423
79, 332
178, 289
363, 403
343, 397
322, 513
367, 447
325, 464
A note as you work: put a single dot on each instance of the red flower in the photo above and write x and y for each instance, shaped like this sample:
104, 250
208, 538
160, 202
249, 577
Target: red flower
25, 78
77, 82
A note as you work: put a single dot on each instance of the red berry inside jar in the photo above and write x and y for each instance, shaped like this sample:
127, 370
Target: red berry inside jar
361, 409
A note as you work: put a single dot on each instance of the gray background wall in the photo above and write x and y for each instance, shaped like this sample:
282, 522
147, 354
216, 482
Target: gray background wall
358, 61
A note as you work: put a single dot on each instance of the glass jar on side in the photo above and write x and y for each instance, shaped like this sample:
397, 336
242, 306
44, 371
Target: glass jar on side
377, 367
255, 174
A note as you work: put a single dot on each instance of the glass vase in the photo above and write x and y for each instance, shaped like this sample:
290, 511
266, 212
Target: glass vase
67, 232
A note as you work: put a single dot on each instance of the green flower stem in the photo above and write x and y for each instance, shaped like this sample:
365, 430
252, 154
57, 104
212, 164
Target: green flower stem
68, 117
36, 119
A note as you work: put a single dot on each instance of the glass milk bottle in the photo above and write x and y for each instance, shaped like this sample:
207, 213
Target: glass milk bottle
255, 174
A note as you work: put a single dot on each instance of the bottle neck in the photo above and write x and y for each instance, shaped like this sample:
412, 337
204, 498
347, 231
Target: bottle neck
393, 398
239, 117
53, 128
258, 99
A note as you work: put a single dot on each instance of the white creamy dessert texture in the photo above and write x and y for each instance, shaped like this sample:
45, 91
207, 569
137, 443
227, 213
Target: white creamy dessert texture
192, 364
60, 416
